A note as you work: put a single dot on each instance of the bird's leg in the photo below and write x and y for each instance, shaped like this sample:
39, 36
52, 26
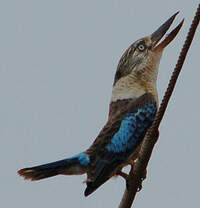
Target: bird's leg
123, 175
127, 177
128, 181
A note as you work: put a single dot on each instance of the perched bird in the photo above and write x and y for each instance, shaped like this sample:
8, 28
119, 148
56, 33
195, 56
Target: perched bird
133, 107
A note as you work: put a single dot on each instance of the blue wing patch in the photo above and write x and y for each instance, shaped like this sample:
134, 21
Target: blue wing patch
132, 129
82, 157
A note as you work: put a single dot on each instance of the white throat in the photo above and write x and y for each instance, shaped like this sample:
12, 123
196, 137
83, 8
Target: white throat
126, 88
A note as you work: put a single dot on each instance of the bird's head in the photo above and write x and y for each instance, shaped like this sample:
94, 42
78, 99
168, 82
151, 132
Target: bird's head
141, 60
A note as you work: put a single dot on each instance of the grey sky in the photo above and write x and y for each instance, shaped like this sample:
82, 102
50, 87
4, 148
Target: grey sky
57, 63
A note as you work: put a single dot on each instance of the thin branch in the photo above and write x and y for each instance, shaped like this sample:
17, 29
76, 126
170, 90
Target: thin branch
134, 180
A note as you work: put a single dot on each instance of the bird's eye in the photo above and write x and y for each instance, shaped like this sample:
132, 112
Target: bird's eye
141, 46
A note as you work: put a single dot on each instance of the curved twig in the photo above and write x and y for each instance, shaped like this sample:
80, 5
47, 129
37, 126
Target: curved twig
135, 176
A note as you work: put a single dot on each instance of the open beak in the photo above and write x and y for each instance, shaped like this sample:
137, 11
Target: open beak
160, 32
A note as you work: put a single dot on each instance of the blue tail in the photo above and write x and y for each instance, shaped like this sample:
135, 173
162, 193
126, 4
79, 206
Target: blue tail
71, 166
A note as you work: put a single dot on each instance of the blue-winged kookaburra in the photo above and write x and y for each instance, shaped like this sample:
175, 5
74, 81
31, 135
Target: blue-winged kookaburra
133, 107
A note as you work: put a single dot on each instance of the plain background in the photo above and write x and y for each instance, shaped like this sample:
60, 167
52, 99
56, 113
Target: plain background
57, 63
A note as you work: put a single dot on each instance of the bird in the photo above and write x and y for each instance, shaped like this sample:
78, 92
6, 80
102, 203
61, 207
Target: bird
132, 110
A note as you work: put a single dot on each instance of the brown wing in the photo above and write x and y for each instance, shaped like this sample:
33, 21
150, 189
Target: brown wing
128, 124
117, 111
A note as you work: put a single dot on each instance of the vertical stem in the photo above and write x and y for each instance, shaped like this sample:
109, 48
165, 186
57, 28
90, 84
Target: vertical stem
134, 179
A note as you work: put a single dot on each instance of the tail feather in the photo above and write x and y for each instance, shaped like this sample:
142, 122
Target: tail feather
92, 186
44, 171
35, 174
72, 166
103, 176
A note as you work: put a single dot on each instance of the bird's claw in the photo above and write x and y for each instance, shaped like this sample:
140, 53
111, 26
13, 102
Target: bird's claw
141, 180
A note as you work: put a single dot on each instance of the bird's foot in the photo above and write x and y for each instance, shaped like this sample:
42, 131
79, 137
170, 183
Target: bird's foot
141, 180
